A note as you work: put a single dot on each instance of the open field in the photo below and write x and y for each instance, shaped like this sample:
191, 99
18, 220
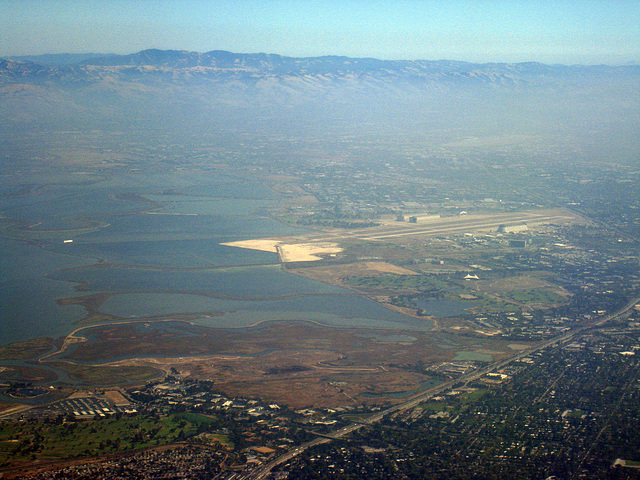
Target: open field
108, 374
27, 445
377, 281
264, 245
307, 252
290, 250
299, 364
527, 291
331, 274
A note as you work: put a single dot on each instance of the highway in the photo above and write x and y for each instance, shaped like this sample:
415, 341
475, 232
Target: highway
263, 472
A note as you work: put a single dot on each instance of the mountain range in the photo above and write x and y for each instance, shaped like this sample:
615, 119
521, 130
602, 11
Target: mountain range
184, 66
171, 89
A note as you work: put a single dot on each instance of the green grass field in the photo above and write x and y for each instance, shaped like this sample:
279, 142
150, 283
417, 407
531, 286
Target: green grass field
24, 442
486, 299
538, 296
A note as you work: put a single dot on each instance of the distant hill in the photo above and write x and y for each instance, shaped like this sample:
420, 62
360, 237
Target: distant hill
57, 59
187, 66
169, 89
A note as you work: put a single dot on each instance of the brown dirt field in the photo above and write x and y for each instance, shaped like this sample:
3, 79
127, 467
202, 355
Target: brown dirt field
307, 252
295, 363
333, 274
301, 378
116, 397
289, 251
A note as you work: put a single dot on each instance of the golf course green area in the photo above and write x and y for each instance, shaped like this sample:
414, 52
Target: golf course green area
25, 442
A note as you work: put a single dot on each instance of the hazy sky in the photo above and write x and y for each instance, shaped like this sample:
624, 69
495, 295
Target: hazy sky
550, 31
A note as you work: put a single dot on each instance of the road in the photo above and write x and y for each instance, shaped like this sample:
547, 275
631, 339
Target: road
263, 472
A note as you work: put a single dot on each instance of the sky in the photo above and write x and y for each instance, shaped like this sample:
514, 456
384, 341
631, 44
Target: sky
547, 31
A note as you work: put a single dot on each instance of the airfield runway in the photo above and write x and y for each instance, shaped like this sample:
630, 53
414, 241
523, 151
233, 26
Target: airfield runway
447, 226
310, 247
